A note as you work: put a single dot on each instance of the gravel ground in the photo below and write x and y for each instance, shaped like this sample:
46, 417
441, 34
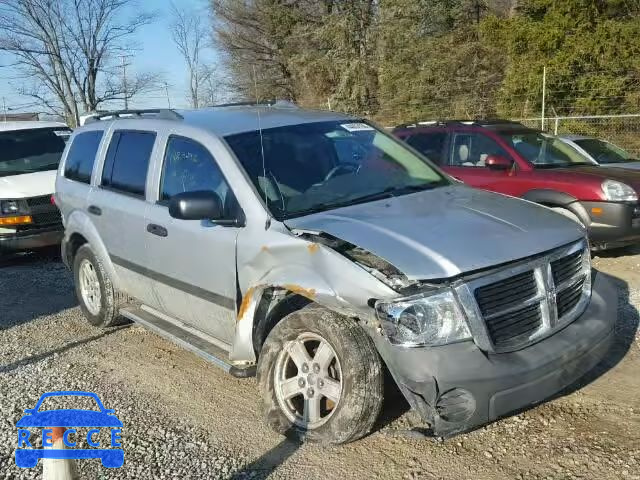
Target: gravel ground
183, 418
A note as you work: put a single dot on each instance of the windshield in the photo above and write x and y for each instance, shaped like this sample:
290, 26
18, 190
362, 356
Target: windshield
320, 166
31, 150
604, 152
545, 151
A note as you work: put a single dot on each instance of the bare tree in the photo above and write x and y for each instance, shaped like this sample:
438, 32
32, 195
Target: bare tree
68, 51
189, 31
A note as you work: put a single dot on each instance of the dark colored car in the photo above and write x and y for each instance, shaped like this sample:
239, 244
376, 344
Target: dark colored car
509, 158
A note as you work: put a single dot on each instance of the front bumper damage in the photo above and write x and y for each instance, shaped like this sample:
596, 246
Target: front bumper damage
458, 387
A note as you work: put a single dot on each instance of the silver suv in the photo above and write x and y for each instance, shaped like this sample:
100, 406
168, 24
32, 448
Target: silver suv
314, 249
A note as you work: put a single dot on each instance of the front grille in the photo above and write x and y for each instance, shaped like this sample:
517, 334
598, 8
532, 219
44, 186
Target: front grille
38, 201
501, 306
47, 218
514, 326
568, 298
499, 296
520, 304
566, 268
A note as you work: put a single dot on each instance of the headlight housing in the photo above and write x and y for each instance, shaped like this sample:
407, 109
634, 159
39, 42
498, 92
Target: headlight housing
428, 319
11, 207
618, 192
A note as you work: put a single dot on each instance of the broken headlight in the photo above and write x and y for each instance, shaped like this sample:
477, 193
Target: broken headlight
428, 319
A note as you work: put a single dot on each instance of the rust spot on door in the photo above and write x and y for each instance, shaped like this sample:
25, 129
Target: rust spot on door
313, 247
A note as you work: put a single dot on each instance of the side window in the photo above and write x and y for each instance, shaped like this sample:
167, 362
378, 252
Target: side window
189, 167
127, 162
431, 145
472, 149
82, 155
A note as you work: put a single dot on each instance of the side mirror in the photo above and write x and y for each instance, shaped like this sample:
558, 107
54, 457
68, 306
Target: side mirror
200, 205
498, 162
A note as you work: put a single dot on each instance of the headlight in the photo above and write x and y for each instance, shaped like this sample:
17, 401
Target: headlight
9, 207
618, 191
428, 319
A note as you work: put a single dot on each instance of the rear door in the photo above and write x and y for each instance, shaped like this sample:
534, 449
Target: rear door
432, 145
118, 207
193, 261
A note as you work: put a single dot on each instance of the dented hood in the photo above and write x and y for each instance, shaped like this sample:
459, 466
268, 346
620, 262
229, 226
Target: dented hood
444, 232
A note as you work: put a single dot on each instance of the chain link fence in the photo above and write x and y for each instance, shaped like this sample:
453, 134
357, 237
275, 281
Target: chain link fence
622, 130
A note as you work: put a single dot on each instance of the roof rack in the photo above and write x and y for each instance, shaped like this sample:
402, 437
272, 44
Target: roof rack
265, 103
478, 122
160, 113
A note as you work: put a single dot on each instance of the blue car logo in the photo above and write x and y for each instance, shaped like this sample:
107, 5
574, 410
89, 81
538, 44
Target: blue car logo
69, 419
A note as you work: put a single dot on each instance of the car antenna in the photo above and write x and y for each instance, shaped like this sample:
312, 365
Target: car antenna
264, 166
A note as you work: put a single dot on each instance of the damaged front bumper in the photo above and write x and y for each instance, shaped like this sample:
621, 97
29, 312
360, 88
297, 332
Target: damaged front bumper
458, 387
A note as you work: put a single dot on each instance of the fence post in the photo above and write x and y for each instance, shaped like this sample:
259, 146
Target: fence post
544, 89
555, 128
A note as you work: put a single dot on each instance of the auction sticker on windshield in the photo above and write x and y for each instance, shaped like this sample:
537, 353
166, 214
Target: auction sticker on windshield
96, 428
356, 127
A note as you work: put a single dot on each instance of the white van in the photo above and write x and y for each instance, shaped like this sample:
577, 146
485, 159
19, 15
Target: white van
29, 156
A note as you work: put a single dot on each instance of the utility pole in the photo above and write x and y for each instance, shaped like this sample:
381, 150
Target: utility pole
544, 91
166, 89
124, 81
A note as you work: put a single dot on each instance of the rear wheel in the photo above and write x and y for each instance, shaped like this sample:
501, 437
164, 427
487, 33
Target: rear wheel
98, 299
321, 377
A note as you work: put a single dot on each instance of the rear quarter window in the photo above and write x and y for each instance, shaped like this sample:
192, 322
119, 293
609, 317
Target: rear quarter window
82, 156
127, 162
431, 145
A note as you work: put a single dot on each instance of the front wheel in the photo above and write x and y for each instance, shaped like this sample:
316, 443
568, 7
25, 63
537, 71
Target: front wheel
321, 377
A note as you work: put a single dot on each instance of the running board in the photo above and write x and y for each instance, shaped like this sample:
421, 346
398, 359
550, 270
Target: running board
198, 345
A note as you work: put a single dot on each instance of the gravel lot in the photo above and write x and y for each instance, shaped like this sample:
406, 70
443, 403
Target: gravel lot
184, 418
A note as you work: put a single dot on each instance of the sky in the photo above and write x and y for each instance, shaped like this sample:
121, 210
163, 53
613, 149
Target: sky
156, 52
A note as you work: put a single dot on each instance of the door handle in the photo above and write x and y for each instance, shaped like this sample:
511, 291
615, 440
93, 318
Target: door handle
157, 230
94, 210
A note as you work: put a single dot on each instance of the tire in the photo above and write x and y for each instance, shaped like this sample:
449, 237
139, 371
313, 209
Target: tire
110, 300
355, 366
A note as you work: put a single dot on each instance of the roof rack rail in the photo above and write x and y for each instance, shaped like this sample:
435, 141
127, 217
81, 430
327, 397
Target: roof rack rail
160, 113
480, 122
264, 103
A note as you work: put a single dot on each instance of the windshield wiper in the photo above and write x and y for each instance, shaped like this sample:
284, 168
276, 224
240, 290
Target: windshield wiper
388, 192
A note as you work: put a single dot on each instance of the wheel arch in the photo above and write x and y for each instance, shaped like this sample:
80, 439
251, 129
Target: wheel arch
283, 291
79, 230
556, 198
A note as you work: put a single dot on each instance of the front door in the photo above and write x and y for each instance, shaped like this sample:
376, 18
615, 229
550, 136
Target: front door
466, 161
193, 262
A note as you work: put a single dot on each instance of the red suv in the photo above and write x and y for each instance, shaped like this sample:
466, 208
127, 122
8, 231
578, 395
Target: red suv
507, 157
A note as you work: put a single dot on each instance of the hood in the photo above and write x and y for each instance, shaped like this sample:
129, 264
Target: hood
602, 172
28, 185
445, 232
628, 165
